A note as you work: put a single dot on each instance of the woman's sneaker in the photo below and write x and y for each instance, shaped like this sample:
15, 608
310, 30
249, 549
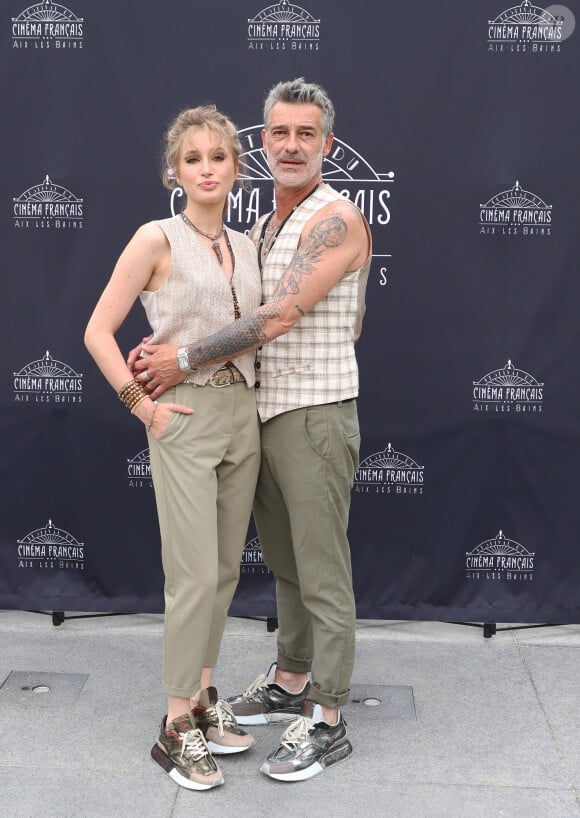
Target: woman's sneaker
218, 724
181, 750
308, 747
265, 702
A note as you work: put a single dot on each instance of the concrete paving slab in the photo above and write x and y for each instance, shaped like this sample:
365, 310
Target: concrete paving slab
555, 674
341, 797
45, 792
41, 688
467, 727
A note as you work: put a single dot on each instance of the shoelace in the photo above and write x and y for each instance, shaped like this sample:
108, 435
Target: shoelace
223, 713
193, 743
256, 685
296, 733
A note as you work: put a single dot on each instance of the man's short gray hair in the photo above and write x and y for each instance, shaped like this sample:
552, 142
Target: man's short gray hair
298, 91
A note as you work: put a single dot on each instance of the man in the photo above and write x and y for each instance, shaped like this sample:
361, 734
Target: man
314, 252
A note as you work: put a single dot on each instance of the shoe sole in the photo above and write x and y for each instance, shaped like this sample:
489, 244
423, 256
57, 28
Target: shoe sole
160, 756
267, 718
225, 749
337, 752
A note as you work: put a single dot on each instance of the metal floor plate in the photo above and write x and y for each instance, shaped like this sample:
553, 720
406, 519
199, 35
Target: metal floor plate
388, 702
45, 689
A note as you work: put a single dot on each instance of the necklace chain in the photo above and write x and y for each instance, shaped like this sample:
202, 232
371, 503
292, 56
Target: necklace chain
209, 236
215, 239
218, 251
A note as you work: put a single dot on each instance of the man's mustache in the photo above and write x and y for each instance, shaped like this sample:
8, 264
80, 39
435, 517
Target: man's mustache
291, 157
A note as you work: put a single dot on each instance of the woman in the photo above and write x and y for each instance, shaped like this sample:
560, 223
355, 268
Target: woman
193, 276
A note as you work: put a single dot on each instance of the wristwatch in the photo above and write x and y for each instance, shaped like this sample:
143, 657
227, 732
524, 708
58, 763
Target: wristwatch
183, 359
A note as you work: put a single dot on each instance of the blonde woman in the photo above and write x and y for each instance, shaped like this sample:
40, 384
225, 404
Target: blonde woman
193, 276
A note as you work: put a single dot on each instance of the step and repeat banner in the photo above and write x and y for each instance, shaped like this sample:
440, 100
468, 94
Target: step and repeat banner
457, 135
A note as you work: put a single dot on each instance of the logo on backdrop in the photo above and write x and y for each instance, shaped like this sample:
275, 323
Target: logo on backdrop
344, 168
515, 212
139, 470
252, 559
51, 547
48, 381
389, 472
283, 26
48, 206
500, 559
529, 28
508, 390
47, 25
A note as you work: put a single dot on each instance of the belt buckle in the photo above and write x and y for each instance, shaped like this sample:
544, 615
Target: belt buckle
222, 385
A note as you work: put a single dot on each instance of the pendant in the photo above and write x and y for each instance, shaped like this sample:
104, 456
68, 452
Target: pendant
218, 251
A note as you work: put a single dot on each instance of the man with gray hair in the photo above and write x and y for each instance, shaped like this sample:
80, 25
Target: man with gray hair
314, 251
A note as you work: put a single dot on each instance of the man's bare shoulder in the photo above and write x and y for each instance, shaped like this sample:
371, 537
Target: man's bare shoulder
341, 210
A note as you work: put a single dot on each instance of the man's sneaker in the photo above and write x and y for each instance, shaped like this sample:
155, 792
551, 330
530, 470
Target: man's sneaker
265, 702
181, 750
308, 747
219, 726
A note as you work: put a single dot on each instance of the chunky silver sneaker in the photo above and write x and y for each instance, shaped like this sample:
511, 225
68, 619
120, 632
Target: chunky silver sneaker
218, 724
181, 751
308, 747
265, 702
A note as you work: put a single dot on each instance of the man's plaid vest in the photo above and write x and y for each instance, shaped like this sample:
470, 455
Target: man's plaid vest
315, 362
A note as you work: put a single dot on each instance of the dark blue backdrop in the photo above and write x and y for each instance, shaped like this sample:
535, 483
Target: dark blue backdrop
457, 131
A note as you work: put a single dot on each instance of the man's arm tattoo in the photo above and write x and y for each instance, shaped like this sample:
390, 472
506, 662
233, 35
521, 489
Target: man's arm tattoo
327, 234
242, 335
248, 332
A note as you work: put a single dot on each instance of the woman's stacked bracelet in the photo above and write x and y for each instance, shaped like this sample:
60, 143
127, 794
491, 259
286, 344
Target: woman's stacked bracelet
132, 394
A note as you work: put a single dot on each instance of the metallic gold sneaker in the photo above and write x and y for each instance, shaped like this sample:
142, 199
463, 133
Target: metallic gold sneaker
181, 750
219, 726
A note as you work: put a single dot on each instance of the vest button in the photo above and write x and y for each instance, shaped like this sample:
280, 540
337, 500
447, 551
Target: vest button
258, 364
257, 384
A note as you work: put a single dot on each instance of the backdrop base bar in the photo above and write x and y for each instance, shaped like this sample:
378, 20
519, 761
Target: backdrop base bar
490, 628
271, 621
58, 617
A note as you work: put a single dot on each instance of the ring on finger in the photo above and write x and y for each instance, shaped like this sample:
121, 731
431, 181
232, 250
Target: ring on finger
145, 376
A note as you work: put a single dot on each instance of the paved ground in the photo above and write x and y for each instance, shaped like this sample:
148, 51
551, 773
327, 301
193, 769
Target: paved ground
464, 727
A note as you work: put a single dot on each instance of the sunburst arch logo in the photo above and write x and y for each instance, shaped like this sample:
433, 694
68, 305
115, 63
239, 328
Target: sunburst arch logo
50, 547
48, 205
139, 470
508, 389
344, 168
389, 472
47, 25
47, 380
515, 211
500, 558
252, 559
529, 27
283, 26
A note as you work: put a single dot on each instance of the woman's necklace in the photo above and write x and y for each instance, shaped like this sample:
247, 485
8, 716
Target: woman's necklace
218, 251
276, 233
215, 238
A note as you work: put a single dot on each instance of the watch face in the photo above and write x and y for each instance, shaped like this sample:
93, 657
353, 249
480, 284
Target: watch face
182, 360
